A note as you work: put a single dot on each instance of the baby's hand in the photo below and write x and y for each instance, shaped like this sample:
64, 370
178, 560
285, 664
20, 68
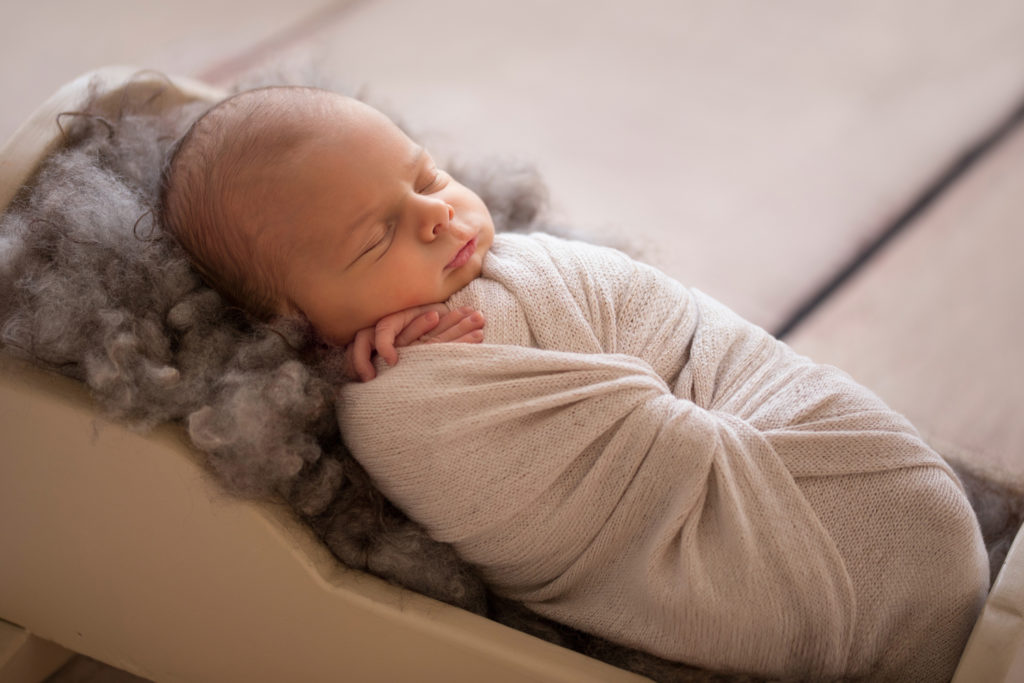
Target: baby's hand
420, 325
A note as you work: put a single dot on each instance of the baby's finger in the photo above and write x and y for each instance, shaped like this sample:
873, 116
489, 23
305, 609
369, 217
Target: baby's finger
420, 325
360, 352
384, 342
453, 318
449, 319
462, 330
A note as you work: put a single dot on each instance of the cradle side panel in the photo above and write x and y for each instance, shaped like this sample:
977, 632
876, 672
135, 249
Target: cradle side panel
118, 546
24, 658
995, 651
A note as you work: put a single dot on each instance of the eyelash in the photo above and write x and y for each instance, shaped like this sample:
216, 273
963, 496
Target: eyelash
438, 176
383, 238
380, 241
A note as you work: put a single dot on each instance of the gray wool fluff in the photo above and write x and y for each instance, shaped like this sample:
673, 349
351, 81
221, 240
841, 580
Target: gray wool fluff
91, 287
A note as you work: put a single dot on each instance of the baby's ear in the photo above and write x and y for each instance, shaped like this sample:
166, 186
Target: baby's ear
514, 191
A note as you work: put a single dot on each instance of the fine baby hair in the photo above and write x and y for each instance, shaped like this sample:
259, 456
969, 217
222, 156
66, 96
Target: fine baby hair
214, 190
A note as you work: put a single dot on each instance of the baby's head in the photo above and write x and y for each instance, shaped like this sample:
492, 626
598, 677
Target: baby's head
298, 201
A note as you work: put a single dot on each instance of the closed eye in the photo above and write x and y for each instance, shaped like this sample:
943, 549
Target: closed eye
437, 181
382, 241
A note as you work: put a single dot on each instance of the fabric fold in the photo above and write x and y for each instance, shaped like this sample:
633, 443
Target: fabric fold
629, 457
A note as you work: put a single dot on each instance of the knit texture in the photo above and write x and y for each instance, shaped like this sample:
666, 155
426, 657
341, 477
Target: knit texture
628, 456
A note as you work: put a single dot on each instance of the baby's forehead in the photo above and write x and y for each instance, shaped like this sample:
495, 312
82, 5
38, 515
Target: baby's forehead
282, 135
280, 107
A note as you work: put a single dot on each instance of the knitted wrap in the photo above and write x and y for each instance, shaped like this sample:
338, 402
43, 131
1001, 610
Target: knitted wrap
628, 456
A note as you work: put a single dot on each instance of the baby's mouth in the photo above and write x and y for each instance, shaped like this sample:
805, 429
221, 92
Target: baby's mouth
462, 257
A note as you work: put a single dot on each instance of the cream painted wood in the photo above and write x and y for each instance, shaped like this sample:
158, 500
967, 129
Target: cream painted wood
995, 650
119, 546
24, 658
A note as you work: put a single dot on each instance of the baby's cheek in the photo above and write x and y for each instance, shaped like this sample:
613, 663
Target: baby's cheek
413, 297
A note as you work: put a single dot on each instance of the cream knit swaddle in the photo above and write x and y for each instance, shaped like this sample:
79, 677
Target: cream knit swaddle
629, 457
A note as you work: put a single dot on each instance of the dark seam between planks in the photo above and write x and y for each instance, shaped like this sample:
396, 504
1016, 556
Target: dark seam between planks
960, 166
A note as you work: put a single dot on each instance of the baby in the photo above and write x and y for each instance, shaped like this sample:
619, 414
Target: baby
621, 453
298, 202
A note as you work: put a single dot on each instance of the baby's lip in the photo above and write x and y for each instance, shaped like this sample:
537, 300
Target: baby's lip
462, 257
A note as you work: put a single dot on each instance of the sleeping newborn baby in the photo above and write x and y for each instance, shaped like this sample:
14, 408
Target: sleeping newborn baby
620, 453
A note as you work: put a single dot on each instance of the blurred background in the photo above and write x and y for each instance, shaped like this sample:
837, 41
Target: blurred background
845, 174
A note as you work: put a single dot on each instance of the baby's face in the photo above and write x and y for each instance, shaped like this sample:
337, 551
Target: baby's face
375, 226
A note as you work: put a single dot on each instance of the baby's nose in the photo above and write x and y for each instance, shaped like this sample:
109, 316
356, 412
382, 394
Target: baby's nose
437, 219
449, 214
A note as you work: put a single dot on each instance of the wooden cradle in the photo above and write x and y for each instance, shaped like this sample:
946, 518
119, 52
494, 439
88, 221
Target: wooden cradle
196, 586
